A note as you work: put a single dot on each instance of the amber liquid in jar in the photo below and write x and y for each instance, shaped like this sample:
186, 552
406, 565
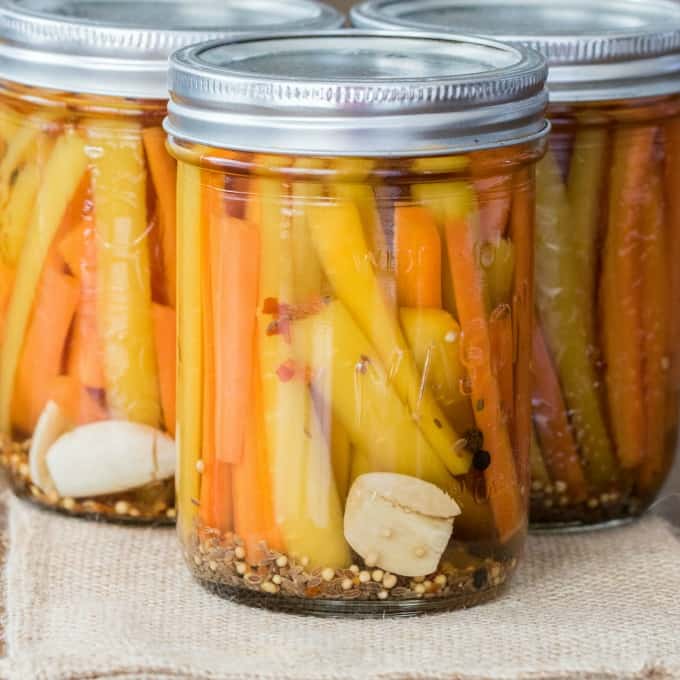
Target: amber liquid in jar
606, 363
354, 391
87, 299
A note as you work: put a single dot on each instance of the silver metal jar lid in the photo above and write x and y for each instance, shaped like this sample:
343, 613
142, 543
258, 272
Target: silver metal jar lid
597, 50
357, 93
121, 47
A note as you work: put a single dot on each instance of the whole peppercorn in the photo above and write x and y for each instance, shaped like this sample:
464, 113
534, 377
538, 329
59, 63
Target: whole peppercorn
481, 460
480, 578
475, 439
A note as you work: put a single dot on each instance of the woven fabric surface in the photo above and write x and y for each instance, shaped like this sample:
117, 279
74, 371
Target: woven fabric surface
98, 601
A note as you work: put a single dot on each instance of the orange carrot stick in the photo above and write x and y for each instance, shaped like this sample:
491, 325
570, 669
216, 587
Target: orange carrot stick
559, 448
253, 500
419, 257
216, 493
501, 476
86, 359
503, 361
655, 321
164, 323
43, 351
495, 201
672, 195
164, 177
235, 284
621, 302
80, 405
522, 227
71, 248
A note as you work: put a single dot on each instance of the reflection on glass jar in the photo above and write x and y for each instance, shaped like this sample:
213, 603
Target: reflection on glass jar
88, 252
354, 404
606, 363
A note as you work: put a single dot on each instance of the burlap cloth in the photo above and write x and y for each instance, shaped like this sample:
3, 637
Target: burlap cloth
85, 601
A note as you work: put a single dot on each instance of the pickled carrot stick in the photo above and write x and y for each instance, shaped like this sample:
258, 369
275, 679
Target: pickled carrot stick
307, 272
164, 324
235, 248
559, 448
498, 262
216, 493
61, 178
585, 188
672, 195
86, 357
79, 404
6, 281
501, 475
254, 520
418, 257
522, 218
539, 472
501, 336
494, 195
621, 302
563, 310
191, 246
71, 248
656, 314
345, 257
124, 271
44, 346
163, 170
16, 216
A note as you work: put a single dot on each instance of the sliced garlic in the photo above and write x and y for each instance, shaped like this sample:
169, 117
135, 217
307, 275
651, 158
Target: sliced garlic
51, 425
107, 457
401, 524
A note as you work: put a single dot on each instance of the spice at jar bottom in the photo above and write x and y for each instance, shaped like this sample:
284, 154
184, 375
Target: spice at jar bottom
353, 391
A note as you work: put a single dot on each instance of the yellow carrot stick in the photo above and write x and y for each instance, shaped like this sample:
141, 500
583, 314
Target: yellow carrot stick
562, 310
20, 148
306, 267
164, 176
124, 302
9, 124
501, 477
346, 259
61, 178
190, 244
362, 397
655, 324
306, 503
16, 216
433, 336
585, 188
620, 296
341, 457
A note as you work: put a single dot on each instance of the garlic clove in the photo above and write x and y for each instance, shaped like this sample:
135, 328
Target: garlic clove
51, 424
108, 457
399, 523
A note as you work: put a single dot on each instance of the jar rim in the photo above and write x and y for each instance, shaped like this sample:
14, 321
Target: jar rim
617, 49
357, 93
121, 47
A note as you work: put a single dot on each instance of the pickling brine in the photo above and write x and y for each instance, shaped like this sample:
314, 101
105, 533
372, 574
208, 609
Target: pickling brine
605, 358
606, 364
88, 281
87, 259
354, 332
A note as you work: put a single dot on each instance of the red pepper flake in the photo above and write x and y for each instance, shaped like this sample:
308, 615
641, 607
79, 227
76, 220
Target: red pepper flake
286, 371
438, 423
270, 306
273, 328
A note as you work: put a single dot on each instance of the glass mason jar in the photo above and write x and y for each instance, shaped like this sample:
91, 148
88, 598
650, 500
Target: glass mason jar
355, 268
87, 247
606, 352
